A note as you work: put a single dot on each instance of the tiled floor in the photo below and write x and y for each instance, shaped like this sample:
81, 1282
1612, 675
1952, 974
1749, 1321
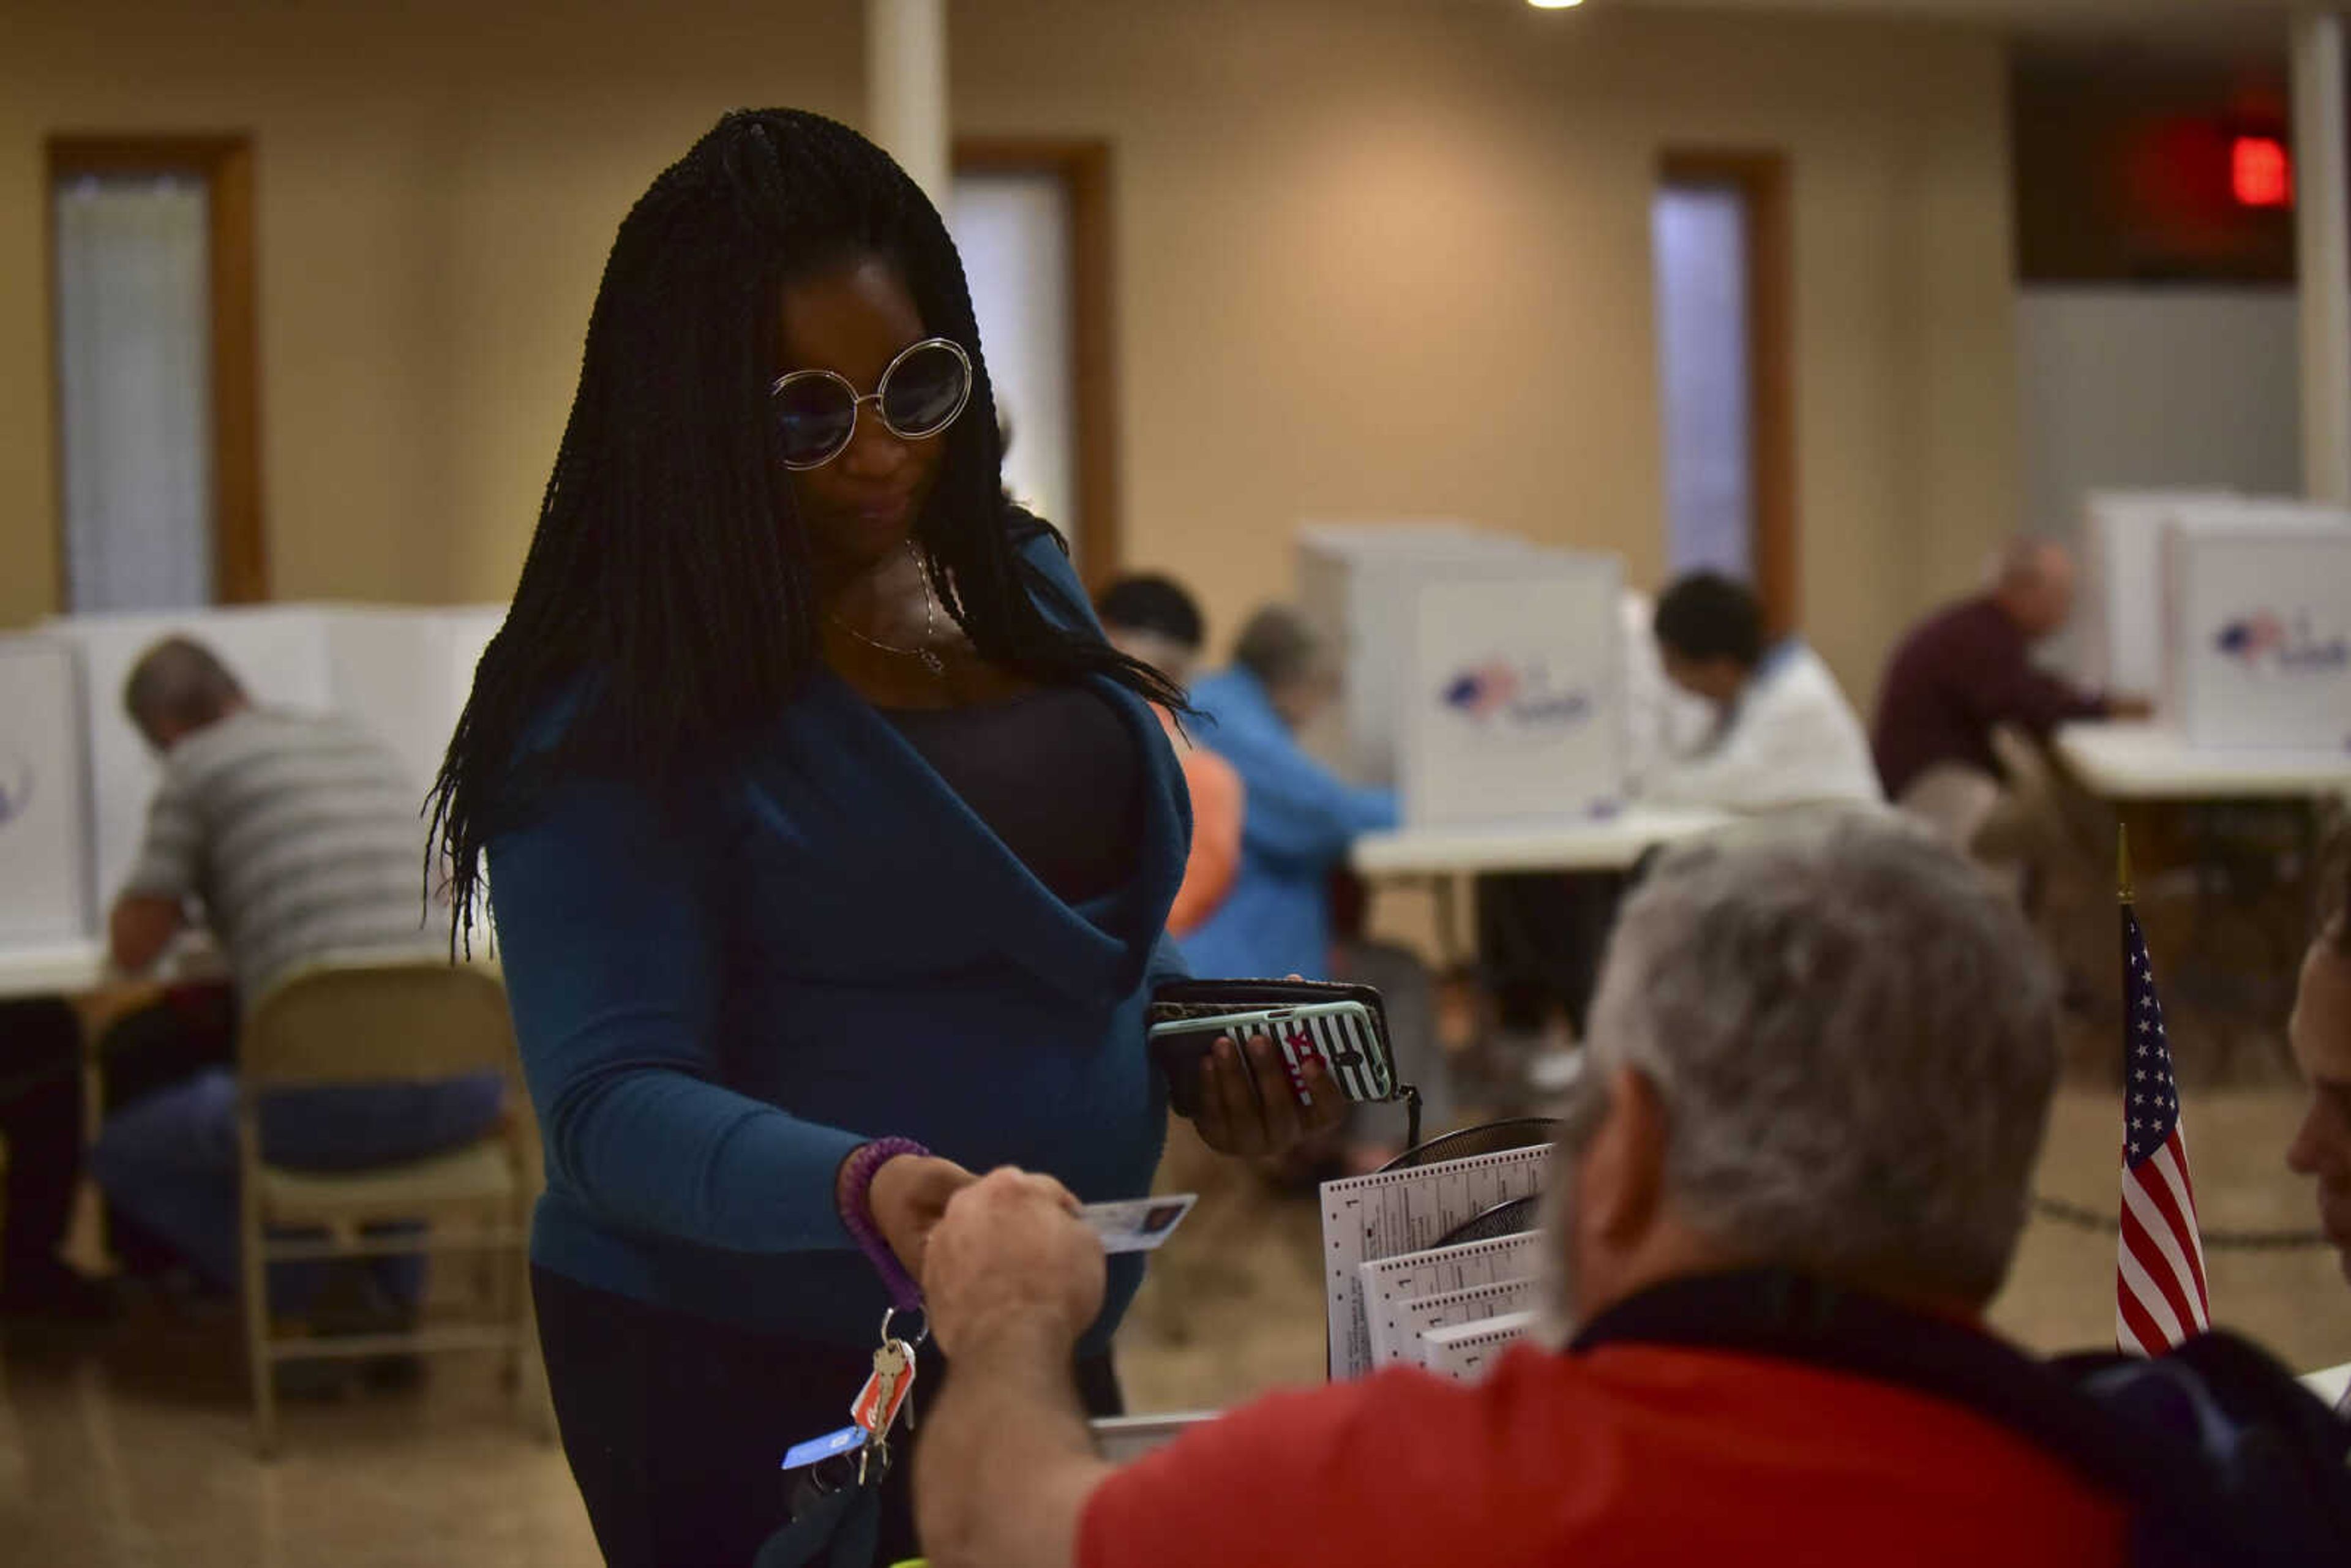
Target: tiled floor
133, 1450
142, 1455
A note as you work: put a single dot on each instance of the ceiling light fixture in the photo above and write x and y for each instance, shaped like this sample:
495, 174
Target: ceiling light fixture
1554, 4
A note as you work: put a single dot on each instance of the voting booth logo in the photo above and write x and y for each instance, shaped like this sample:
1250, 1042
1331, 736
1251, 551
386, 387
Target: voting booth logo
1484, 691
1498, 690
2264, 640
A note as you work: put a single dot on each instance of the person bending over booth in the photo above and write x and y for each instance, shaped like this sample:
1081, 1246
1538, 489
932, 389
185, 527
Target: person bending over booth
1299, 818
1785, 735
1784, 739
291, 837
1966, 672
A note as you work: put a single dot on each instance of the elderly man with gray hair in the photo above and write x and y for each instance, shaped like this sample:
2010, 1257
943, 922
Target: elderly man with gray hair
1818, 1072
1965, 674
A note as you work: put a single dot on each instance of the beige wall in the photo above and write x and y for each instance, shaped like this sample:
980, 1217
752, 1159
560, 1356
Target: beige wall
436, 191
1395, 260
1376, 258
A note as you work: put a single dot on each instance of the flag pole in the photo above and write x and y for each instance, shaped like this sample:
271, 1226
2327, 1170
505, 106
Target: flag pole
2122, 864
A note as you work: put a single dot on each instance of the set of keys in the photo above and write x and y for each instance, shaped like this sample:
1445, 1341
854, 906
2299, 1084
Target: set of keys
835, 1519
878, 1404
872, 1416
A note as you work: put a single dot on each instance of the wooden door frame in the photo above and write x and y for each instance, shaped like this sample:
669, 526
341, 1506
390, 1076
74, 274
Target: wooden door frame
1761, 179
1083, 167
224, 162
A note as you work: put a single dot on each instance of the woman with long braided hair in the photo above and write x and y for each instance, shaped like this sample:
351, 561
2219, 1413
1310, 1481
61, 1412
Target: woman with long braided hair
831, 844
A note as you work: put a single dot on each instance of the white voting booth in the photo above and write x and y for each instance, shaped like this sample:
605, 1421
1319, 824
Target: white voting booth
403, 674
44, 833
1358, 582
1514, 698
2121, 604
2257, 610
1485, 676
2130, 599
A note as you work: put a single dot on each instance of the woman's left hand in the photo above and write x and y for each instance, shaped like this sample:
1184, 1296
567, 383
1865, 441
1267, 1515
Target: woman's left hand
1247, 1107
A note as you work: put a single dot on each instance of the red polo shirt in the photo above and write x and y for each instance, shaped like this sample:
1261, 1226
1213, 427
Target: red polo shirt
1626, 1453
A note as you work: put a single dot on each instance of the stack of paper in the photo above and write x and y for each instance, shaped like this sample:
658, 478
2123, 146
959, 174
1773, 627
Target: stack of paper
1466, 1352
1396, 1219
1409, 1297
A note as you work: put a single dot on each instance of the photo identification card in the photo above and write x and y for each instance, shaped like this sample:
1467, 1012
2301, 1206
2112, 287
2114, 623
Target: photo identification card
1138, 1225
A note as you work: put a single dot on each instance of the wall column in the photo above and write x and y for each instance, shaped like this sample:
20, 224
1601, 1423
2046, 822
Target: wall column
2321, 194
906, 88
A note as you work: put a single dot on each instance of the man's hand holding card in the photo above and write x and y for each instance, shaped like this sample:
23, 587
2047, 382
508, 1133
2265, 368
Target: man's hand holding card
1015, 1248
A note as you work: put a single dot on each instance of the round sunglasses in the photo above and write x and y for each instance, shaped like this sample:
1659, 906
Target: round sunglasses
926, 387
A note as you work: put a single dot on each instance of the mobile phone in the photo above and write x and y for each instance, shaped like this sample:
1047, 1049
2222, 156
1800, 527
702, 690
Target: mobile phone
1343, 1026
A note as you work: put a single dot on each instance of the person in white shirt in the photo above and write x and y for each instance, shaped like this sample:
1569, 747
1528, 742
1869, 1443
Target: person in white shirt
1662, 721
1784, 734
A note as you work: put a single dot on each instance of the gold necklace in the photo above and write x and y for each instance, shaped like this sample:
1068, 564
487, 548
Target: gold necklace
929, 657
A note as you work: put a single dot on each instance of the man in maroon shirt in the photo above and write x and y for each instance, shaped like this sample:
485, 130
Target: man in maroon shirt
1820, 1064
1968, 670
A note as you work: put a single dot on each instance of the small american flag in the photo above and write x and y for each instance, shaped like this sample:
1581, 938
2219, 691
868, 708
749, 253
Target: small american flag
2159, 1294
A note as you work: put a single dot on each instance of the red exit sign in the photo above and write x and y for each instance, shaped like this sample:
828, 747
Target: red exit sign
2261, 172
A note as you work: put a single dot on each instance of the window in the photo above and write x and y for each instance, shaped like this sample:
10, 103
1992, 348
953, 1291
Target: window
152, 296
1033, 219
1013, 229
1698, 233
1718, 230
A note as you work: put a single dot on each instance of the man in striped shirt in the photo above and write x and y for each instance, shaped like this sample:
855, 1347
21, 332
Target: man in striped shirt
291, 837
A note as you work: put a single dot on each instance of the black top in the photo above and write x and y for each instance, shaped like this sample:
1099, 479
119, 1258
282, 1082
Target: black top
1054, 773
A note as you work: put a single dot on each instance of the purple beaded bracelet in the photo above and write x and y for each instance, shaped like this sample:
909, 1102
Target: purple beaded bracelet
857, 1214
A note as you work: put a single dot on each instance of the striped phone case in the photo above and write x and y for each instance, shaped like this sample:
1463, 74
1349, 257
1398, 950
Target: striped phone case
1343, 1026
1339, 1035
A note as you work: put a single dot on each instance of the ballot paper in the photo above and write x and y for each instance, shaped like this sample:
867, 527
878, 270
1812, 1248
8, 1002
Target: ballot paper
1395, 1212
1137, 1225
1490, 1279
1466, 1352
1388, 1282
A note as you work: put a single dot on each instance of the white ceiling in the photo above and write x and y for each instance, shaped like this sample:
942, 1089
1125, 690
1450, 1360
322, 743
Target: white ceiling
2003, 10
2225, 17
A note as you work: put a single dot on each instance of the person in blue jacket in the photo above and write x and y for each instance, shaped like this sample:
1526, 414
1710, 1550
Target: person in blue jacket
831, 844
1299, 817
